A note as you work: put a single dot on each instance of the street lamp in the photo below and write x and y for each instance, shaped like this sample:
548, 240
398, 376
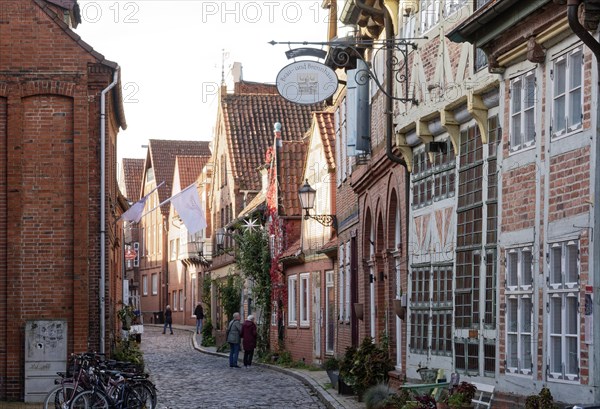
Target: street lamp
200, 251
220, 236
307, 200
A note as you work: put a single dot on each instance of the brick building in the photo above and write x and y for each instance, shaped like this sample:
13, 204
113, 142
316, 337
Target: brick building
243, 134
57, 251
154, 226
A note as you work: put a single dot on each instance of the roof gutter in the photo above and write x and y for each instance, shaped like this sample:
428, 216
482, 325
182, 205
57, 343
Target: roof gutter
102, 287
590, 41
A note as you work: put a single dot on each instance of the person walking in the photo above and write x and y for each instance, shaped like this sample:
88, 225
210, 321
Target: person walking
199, 313
168, 320
249, 340
234, 330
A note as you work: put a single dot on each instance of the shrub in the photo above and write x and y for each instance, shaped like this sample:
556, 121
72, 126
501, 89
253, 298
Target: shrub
376, 396
331, 364
129, 351
366, 366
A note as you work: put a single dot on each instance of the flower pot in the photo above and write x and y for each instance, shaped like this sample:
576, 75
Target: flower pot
441, 405
334, 376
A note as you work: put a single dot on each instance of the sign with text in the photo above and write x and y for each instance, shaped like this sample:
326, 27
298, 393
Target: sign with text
306, 82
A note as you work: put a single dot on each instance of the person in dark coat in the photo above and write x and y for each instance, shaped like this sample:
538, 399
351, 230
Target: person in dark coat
249, 340
168, 319
199, 313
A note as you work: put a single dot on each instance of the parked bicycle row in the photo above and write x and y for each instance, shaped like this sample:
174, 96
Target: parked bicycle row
94, 382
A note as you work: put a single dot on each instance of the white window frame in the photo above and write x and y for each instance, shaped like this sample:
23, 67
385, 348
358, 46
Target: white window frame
181, 300
429, 14
292, 297
329, 283
304, 298
522, 108
154, 284
519, 311
174, 249
144, 285
342, 284
174, 302
572, 61
408, 26
564, 293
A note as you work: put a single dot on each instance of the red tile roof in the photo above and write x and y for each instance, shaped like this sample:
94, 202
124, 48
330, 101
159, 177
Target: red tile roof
190, 167
133, 172
292, 252
293, 158
326, 124
249, 118
161, 156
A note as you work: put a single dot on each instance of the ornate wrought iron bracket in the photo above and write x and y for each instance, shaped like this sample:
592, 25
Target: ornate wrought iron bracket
325, 219
344, 52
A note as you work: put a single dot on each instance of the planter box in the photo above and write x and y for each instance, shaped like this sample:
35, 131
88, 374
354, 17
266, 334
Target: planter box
344, 389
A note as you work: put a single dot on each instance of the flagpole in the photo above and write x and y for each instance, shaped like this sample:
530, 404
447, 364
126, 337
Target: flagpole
169, 199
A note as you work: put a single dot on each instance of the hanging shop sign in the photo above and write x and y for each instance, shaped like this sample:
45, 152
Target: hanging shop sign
306, 82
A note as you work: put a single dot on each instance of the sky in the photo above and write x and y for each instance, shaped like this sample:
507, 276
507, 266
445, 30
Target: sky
171, 54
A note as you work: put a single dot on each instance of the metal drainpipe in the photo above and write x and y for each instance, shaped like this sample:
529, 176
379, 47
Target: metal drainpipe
590, 41
102, 288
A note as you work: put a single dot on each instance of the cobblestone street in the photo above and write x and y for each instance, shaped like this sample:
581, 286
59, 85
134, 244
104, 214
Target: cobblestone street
189, 379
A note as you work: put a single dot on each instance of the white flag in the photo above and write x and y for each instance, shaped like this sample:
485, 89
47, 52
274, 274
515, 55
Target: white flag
187, 205
134, 213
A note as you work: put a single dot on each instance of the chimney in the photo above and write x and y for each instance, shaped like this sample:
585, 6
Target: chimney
236, 72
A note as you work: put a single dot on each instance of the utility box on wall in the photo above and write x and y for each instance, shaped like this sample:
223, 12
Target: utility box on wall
45, 355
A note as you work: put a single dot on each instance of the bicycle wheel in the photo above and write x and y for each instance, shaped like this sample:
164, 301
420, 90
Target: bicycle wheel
59, 397
91, 399
139, 396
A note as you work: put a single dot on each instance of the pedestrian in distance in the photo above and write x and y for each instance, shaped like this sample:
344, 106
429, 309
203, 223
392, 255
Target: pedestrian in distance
249, 340
199, 313
234, 332
168, 320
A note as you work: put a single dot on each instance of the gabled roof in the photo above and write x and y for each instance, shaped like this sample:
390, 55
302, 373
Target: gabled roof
133, 172
161, 157
190, 167
292, 160
325, 122
249, 117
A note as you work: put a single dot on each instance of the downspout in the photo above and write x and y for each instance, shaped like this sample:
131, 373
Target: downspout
102, 288
590, 41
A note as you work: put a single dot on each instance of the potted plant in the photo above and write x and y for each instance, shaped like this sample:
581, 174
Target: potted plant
366, 366
462, 395
126, 315
425, 402
332, 367
346, 379
544, 400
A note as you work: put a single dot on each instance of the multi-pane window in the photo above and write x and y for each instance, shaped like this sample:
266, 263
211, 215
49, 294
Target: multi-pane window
145, 285
174, 249
441, 305
444, 172
481, 60
422, 176
475, 275
420, 305
563, 306
181, 302
341, 136
522, 111
136, 248
154, 284
329, 312
408, 27
342, 283
567, 104
451, 6
429, 14
292, 297
519, 311
175, 298
305, 299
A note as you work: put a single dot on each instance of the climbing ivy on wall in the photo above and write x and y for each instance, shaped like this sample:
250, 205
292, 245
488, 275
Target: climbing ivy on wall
253, 259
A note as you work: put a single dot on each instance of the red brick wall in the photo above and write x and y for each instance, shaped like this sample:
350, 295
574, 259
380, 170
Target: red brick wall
518, 198
50, 185
569, 184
